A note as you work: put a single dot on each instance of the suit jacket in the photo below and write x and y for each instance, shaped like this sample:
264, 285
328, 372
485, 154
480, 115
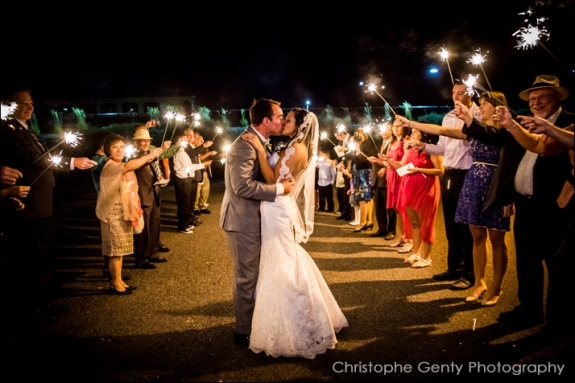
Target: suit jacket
549, 173
244, 189
379, 182
22, 150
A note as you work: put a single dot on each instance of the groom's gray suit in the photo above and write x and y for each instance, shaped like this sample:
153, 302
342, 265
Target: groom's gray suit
240, 218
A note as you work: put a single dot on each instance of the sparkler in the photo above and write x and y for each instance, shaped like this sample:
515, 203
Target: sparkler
372, 88
444, 54
479, 59
341, 128
367, 129
179, 118
531, 35
8, 110
323, 136
55, 160
352, 147
170, 116
218, 131
129, 151
70, 138
223, 158
472, 84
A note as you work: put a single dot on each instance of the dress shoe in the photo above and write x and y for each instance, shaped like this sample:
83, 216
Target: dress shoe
461, 284
163, 248
378, 234
241, 339
197, 212
115, 291
197, 222
157, 259
146, 265
389, 237
492, 301
205, 211
446, 276
475, 295
187, 230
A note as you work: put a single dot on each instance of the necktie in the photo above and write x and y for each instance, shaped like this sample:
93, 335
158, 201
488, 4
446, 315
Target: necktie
36, 139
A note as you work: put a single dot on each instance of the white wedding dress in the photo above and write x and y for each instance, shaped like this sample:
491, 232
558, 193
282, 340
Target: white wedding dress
295, 314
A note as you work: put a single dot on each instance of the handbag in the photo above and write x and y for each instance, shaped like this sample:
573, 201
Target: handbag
140, 226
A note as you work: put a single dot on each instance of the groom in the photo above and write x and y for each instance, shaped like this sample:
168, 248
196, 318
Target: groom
240, 215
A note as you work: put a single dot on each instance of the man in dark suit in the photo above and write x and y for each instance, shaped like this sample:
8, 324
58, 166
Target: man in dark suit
29, 233
240, 212
532, 182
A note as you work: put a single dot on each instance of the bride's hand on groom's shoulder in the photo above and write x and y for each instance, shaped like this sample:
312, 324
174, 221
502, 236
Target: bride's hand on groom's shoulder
253, 139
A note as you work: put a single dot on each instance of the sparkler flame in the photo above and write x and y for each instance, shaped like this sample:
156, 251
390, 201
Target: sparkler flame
532, 32
72, 139
341, 128
478, 59
372, 88
8, 110
444, 54
54, 160
471, 84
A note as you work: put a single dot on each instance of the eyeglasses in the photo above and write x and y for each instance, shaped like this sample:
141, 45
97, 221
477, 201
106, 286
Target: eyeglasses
543, 97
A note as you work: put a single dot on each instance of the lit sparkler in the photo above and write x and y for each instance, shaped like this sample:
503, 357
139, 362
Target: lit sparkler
179, 118
55, 160
129, 151
223, 158
169, 116
8, 110
323, 136
352, 147
70, 138
478, 59
341, 128
367, 129
531, 34
444, 54
471, 83
218, 131
372, 88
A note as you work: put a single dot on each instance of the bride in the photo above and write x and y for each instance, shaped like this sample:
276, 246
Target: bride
295, 313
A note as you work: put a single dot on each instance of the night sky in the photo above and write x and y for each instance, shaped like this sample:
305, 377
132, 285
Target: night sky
225, 57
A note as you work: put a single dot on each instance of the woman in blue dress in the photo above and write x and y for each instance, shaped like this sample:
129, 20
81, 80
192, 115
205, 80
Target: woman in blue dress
493, 222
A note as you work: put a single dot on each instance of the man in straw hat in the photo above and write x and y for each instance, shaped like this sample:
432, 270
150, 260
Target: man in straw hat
532, 182
148, 241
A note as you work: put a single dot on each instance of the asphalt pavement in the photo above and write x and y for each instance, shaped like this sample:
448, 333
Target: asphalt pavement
177, 326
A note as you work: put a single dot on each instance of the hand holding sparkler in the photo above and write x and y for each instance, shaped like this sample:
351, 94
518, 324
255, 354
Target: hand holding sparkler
9, 176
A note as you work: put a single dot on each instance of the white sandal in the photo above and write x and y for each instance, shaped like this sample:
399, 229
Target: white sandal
421, 263
406, 248
412, 259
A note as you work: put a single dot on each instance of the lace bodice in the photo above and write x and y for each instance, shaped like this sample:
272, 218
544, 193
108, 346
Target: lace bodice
285, 172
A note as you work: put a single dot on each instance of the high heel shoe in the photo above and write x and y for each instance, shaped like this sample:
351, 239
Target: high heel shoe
475, 297
492, 301
363, 228
118, 292
369, 226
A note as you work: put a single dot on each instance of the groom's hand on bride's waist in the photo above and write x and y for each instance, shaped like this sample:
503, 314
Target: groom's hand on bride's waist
288, 186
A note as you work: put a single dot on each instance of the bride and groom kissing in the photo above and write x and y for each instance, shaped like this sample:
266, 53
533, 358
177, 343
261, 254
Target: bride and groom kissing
282, 304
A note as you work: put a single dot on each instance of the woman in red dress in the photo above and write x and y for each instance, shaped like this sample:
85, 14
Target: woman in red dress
419, 199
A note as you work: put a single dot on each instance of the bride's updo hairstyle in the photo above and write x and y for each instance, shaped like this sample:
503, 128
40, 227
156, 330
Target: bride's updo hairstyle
306, 131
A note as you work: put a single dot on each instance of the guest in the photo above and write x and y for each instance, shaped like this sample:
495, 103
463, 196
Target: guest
395, 152
118, 206
533, 183
419, 199
29, 232
386, 218
483, 223
182, 172
457, 161
150, 178
551, 140
362, 175
201, 203
343, 176
325, 181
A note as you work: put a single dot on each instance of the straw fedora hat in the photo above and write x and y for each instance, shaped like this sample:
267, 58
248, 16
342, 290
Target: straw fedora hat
545, 81
141, 134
